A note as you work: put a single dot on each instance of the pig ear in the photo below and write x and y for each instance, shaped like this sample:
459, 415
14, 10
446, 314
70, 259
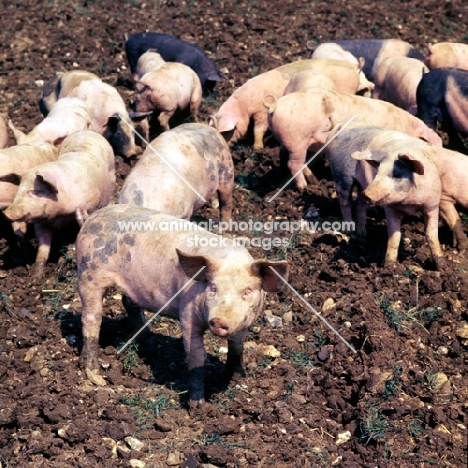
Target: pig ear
192, 263
12, 178
362, 62
416, 164
227, 125
46, 181
271, 282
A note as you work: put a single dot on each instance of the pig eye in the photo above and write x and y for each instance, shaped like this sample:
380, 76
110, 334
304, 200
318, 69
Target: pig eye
246, 294
213, 289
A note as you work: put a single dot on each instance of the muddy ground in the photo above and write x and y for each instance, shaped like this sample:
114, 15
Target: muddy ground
399, 400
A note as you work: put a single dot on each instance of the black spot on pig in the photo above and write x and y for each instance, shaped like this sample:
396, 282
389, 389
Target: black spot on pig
129, 240
128, 257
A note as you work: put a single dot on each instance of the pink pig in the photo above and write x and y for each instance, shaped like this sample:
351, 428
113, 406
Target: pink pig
169, 89
52, 194
153, 269
447, 55
396, 80
301, 121
247, 102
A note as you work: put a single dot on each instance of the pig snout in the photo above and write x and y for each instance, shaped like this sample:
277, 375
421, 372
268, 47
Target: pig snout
219, 327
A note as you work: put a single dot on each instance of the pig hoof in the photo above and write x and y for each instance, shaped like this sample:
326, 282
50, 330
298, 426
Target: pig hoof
440, 263
95, 378
196, 404
37, 270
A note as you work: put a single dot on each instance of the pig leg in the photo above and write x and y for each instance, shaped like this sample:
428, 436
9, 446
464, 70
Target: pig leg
44, 240
260, 128
195, 102
192, 335
136, 315
225, 204
295, 163
394, 235
235, 352
164, 118
91, 318
431, 225
361, 216
451, 217
81, 215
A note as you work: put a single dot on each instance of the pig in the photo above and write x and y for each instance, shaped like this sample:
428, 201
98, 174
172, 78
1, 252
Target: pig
396, 81
171, 88
447, 55
181, 168
301, 121
309, 79
452, 168
442, 99
110, 117
334, 51
3, 133
61, 85
147, 62
173, 49
375, 50
153, 269
247, 102
52, 194
67, 115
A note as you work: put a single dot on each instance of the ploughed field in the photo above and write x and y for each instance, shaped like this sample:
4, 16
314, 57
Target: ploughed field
307, 399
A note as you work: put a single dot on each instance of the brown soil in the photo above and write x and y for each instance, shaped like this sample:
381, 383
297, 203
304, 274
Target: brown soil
401, 397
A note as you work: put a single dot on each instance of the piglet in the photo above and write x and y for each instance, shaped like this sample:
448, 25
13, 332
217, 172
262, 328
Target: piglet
180, 170
130, 248
52, 194
171, 88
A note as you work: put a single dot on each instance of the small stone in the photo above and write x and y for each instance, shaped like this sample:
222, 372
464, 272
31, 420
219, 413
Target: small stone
271, 351
134, 443
300, 338
443, 350
134, 463
328, 304
273, 321
347, 324
44, 371
223, 350
123, 450
343, 437
288, 317
30, 353
337, 461
462, 331
174, 459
